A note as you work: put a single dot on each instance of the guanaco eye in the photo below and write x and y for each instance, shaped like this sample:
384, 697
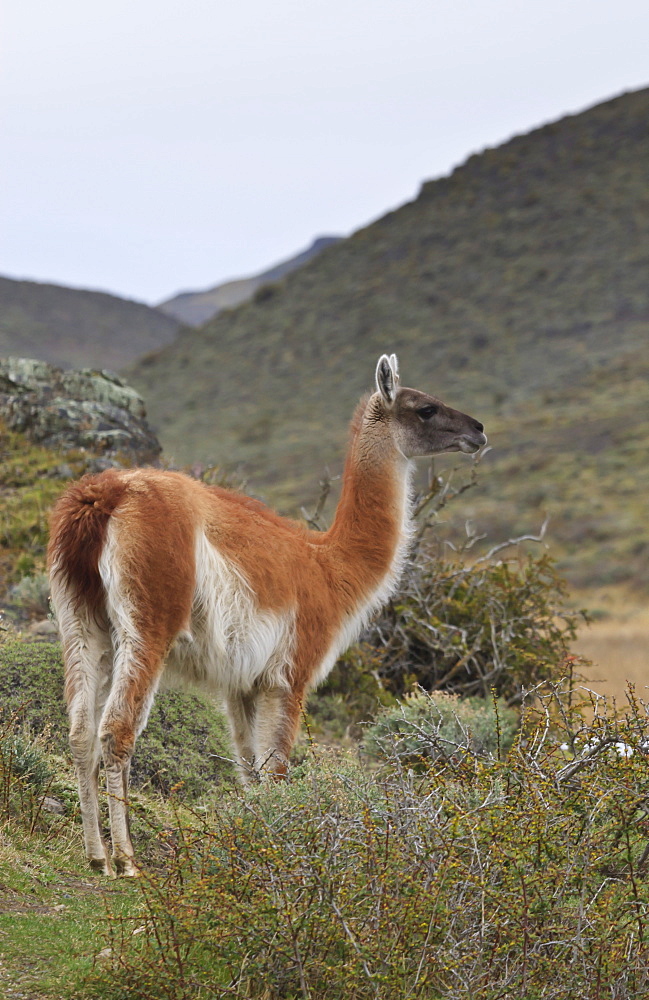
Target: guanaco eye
426, 412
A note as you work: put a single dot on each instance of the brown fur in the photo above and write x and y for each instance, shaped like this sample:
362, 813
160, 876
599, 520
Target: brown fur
78, 525
141, 526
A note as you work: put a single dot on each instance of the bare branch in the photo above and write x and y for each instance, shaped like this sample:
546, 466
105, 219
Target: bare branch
488, 556
313, 520
586, 759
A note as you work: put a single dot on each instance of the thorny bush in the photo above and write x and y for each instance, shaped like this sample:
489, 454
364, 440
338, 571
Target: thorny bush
471, 628
427, 725
26, 776
478, 878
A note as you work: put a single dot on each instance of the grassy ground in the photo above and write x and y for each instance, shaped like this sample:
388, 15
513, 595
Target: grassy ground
53, 916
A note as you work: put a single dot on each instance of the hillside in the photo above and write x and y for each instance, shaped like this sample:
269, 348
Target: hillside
75, 328
515, 289
195, 308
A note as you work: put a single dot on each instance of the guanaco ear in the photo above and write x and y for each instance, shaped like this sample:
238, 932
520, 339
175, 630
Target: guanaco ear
386, 380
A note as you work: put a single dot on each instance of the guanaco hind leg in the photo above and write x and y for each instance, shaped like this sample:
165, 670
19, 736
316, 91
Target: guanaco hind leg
87, 663
136, 673
145, 616
87, 674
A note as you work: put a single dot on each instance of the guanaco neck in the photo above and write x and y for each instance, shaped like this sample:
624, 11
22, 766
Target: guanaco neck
370, 530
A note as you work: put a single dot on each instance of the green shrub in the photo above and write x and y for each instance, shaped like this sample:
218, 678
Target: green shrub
27, 773
181, 746
31, 593
185, 729
425, 726
351, 695
473, 628
24, 756
474, 878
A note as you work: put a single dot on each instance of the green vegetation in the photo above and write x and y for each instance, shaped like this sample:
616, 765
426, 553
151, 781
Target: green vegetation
31, 478
181, 749
481, 877
474, 628
515, 289
437, 725
75, 328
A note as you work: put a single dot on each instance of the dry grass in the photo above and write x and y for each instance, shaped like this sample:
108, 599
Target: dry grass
618, 648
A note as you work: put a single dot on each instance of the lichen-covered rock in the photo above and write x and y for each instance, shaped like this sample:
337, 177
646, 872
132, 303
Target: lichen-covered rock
89, 409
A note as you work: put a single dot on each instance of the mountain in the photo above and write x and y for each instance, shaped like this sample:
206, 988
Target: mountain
194, 308
516, 289
74, 328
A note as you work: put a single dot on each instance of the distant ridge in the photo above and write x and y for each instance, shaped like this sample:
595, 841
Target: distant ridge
76, 328
195, 308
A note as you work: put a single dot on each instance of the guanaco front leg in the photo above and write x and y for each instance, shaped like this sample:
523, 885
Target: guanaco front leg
277, 719
241, 710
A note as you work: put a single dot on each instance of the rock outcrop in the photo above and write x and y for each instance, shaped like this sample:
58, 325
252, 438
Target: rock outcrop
93, 410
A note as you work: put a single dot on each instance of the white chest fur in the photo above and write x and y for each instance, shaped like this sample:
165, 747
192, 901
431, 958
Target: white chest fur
232, 645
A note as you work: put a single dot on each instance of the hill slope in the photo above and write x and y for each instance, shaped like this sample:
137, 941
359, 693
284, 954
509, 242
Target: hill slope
195, 308
75, 328
515, 289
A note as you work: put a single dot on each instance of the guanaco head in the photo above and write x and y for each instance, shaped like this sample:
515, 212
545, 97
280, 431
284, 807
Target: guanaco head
421, 424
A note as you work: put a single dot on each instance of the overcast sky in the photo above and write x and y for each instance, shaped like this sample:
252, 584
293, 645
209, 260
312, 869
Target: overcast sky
157, 145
